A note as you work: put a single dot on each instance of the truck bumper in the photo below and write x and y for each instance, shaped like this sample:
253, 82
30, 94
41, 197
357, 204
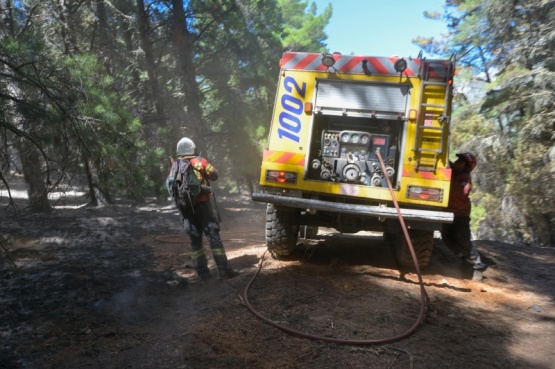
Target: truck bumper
355, 209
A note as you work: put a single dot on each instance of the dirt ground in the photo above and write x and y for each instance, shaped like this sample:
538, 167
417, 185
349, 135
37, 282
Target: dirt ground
113, 287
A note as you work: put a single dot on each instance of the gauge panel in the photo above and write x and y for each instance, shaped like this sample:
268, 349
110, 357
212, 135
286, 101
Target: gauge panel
343, 144
349, 156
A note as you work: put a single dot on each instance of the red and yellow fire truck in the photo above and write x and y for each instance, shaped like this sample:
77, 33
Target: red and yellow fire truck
333, 115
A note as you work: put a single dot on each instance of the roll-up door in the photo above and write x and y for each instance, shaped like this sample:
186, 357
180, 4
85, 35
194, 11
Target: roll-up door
386, 101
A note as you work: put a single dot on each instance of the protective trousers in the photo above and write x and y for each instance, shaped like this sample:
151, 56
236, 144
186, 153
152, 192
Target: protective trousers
197, 222
457, 237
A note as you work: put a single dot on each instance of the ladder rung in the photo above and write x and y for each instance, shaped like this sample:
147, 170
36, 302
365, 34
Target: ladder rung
432, 83
431, 127
429, 151
432, 105
426, 168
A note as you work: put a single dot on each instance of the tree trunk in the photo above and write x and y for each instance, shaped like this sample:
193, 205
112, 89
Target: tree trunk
97, 195
160, 121
183, 44
104, 42
6, 19
37, 189
69, 39
144, 26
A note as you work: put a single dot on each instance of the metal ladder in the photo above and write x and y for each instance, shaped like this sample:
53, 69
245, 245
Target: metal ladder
436, 75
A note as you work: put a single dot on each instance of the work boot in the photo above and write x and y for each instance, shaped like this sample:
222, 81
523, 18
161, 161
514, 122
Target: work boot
204, 274
227, 272
200, 263
477, 276
224, 269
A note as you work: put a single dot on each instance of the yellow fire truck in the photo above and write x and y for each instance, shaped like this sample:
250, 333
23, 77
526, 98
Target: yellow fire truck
334, 115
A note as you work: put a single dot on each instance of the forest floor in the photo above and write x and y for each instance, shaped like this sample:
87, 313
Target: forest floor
113, 287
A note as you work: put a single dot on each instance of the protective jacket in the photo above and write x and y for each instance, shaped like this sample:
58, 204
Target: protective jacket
459, 200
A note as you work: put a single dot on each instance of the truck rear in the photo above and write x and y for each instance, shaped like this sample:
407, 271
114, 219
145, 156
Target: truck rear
333, 116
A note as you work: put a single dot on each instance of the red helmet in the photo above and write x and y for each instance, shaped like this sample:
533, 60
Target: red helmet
470, 160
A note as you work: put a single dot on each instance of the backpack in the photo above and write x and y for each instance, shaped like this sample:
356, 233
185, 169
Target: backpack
186, 184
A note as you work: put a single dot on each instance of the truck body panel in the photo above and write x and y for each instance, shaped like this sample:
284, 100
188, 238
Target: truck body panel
332, 114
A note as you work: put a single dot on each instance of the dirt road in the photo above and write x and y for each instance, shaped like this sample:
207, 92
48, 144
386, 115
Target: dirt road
113, 288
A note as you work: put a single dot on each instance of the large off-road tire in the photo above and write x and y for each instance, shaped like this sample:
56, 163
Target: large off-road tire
423, 244
281, 231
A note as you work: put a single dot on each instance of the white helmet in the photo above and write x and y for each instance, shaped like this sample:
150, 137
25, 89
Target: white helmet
185, 146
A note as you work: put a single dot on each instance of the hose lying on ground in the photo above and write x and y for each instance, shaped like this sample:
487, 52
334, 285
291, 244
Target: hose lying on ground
411, 330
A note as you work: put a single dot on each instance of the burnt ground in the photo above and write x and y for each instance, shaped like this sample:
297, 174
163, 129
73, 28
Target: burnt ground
113, 287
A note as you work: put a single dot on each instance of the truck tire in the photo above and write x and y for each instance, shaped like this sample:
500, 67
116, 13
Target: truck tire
423, 244
281, 231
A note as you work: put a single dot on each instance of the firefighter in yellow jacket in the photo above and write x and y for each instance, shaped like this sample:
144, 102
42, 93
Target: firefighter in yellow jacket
199, 217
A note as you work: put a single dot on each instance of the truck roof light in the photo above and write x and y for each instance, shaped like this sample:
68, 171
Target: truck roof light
400, 65
328, 60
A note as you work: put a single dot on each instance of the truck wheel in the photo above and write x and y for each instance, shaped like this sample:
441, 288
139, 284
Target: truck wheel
423, 244
281, 231
308, 232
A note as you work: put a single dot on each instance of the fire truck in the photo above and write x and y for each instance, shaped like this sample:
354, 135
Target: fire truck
335, 116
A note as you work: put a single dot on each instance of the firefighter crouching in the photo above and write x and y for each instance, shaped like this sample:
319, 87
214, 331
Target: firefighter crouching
200, 217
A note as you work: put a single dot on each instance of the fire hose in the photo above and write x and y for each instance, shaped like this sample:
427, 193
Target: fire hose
423, 294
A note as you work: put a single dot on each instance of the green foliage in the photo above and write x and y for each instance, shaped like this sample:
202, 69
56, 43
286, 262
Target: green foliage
468, 127
106, 131
238, 50
303, 30
479, 215
510, 124
96, 97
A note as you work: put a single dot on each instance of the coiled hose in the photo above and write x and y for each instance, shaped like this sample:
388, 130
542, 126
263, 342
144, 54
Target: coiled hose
423, 295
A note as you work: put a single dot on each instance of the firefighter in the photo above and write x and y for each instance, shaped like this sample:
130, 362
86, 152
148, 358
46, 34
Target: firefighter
456, 235
200, 217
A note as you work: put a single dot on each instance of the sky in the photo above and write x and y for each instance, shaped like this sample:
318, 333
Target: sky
380, 27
